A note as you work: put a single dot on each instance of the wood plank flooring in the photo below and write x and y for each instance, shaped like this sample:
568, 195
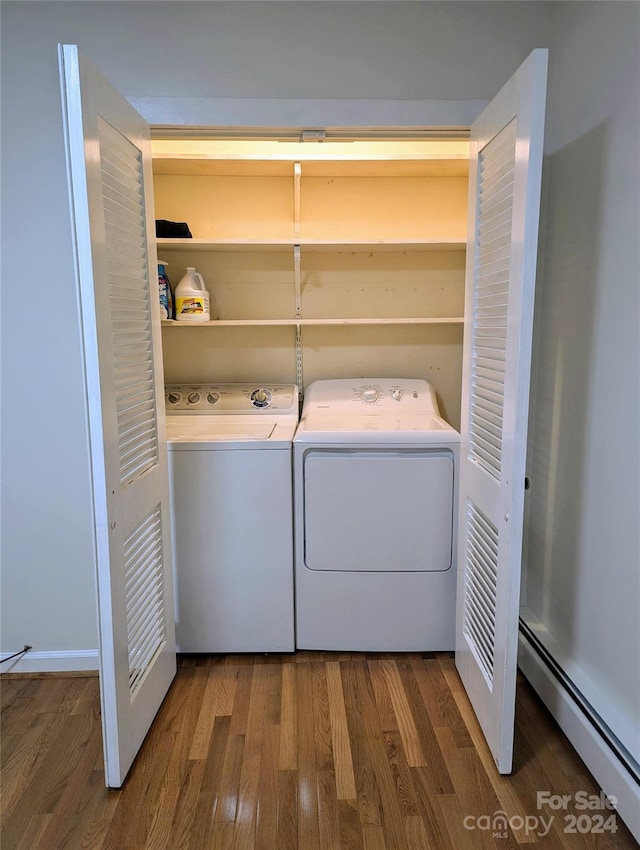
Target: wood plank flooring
313, 751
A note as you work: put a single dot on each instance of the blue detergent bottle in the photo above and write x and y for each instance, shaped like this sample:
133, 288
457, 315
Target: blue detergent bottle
165, 292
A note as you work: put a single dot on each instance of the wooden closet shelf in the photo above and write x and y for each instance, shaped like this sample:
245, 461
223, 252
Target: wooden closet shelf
449, 320
308, 244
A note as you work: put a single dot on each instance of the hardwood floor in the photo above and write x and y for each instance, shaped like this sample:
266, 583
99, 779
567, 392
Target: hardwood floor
308, 752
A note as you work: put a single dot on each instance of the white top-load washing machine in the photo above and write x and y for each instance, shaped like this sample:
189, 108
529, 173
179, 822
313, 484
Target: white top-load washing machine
375, 480
229, 449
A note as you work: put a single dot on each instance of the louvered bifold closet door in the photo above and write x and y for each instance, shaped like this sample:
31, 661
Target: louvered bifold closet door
134, 392
491, 276
112, 201
504, 194
130, 307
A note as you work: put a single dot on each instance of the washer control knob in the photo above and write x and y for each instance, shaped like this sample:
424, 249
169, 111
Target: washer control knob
213, 397
396, 395
193, 398
261, 397
370, 395
174, 398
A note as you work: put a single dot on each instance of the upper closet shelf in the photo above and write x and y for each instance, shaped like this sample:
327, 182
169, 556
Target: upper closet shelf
308, 244
264, 158
221, 323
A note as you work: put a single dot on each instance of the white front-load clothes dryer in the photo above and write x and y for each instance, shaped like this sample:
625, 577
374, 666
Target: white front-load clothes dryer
229, 449
375, 484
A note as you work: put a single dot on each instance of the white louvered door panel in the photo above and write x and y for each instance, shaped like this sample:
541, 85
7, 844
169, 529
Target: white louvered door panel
504, 199
146, 627
480, 589
110, 186
129, 302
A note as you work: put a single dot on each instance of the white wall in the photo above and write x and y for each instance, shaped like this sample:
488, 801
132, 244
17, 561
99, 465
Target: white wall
231, 50
406, 50
583, 553
47, 590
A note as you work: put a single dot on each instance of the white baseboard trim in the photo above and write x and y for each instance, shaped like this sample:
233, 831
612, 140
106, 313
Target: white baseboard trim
64, 661
608, 771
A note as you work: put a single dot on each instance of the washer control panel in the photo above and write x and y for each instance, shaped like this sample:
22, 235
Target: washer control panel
230, 398
262, 397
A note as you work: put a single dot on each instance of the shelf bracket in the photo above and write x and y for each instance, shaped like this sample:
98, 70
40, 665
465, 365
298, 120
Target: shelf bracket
297, 284
299, 377
297, 175
297, 279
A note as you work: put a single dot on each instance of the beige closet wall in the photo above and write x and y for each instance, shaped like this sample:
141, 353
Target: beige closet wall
337, 282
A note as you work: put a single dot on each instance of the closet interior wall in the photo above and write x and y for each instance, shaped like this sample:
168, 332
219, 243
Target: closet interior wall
381, 269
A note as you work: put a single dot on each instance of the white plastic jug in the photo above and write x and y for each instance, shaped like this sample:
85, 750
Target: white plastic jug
192, 298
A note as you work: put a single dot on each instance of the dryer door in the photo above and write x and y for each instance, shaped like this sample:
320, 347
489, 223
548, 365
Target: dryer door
378, 511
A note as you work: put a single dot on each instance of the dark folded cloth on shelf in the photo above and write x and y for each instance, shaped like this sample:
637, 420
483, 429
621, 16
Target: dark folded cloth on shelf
172, 229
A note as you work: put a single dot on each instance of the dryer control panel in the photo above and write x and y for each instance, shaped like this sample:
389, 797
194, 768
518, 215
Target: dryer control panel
375, 395
230, 398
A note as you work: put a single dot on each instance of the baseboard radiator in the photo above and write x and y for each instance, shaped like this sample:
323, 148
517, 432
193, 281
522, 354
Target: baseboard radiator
611, 764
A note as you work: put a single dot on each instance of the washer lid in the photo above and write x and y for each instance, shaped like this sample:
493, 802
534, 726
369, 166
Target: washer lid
191, 433
208, 428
